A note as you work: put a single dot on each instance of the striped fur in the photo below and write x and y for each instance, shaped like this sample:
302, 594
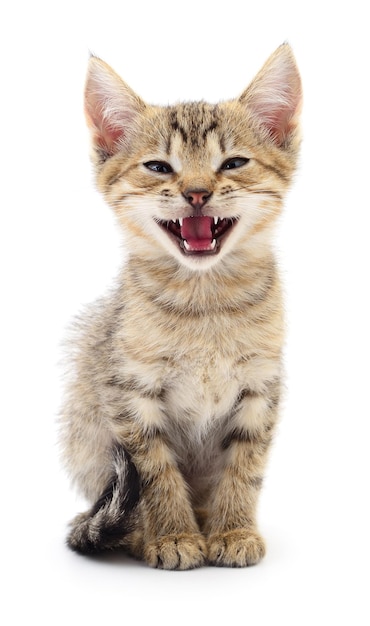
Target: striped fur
110, 519
174, 396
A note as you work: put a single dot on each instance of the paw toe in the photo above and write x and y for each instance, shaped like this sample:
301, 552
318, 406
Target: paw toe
176, 552
236, 548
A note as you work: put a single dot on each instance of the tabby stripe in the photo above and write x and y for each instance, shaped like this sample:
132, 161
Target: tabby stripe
133, 385
110, 518
276, 171
262, 439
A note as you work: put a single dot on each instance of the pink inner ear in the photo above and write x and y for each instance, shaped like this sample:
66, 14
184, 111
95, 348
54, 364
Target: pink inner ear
274, 96
279, 123
105, 135
276, 109
108, 138
111, 107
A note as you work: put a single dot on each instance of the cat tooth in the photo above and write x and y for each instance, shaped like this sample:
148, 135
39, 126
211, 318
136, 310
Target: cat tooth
186, 245
213, 244
180, 221
216, 220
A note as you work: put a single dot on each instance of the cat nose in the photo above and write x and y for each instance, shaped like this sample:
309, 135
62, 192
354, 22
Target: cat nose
197, 197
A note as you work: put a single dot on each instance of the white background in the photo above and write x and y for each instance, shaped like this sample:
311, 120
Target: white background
60, 249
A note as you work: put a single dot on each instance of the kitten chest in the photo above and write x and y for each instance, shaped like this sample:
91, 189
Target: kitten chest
195, 373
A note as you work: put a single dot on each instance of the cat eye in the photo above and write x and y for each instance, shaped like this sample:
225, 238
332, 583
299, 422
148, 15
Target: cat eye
232, 164
161, 167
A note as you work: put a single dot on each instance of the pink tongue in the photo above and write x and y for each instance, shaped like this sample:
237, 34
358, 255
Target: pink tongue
197, 231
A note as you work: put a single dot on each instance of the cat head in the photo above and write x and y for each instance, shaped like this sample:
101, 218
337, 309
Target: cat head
199, 182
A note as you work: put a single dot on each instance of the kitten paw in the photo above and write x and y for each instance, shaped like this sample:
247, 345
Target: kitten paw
180, 552
235, 548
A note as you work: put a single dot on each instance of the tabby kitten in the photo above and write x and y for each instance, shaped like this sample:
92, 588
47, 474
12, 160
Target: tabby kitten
177, 373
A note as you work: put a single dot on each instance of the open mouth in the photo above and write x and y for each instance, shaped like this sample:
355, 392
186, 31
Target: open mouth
201, 235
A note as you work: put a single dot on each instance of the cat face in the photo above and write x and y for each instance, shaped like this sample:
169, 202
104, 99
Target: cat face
195, 181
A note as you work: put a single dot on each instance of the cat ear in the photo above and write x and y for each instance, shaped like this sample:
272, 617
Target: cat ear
111, 108
274, 97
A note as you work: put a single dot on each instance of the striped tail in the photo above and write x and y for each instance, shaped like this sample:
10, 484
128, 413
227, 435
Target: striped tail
109, 520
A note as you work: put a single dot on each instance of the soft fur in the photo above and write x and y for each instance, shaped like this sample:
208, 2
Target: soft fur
176, 381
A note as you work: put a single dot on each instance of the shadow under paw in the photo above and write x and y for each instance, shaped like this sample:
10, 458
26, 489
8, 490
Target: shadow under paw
235, 548
176, 552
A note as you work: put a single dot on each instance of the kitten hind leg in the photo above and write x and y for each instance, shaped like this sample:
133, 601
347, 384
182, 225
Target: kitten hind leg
112, 517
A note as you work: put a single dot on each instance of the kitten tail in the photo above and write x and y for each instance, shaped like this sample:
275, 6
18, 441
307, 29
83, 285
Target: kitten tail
110, 519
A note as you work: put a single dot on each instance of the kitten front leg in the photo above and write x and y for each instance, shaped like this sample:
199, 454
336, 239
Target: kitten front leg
233, 538
172, 539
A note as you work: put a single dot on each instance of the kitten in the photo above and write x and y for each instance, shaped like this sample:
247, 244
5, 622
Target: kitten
174, 397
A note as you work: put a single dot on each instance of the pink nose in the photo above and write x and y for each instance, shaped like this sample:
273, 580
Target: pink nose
197, 197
